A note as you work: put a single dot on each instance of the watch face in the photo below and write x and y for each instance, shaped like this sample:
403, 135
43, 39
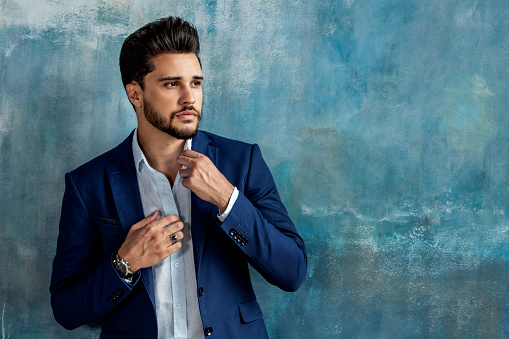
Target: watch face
121, 268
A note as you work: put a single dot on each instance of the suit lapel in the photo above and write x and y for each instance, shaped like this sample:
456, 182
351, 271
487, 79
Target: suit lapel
126, 194
202, 212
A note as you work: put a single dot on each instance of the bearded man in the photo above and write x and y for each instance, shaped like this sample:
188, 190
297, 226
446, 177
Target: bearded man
156, 235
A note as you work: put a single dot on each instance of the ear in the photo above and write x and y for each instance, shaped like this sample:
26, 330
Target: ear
135, 94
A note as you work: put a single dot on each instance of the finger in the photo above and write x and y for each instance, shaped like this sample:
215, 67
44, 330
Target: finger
174, 247
189, 158
168, 220
155, 227
173, 228
190, 153
147, 220
174, 237
168, 247
185, 173
184, 161
161, 237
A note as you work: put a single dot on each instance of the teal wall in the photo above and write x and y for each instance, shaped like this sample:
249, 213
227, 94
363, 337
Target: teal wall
385, 124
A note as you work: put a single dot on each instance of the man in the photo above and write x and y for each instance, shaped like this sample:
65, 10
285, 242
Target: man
156, 234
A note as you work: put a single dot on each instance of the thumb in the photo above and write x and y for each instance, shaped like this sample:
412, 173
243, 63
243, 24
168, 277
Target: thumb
145, 221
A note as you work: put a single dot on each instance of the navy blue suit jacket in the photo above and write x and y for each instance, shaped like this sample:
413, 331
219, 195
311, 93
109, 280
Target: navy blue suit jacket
101, 201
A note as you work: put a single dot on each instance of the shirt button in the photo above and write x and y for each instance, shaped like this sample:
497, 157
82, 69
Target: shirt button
177, 264
179, 305
208, 331
200, 292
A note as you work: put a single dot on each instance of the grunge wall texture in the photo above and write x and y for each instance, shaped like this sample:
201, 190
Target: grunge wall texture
385, 124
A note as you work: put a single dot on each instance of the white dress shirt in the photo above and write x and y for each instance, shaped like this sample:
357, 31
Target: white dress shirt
177, 309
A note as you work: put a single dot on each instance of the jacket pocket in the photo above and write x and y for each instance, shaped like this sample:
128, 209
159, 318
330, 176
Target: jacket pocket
111, 228
109, 221
250, 311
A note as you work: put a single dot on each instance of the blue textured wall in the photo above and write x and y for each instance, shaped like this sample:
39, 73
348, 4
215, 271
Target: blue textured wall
385, 124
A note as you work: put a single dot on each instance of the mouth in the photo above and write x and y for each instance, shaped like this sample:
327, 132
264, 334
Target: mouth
187, 115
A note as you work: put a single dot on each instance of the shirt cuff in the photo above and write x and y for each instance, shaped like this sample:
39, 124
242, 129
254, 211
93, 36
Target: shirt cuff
233, 198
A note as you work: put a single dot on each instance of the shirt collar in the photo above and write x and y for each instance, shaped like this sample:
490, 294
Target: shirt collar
139, 157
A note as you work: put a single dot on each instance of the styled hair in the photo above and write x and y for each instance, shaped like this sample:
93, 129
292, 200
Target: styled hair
166, 35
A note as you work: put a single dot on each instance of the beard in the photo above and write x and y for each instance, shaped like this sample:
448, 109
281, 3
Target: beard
156, 119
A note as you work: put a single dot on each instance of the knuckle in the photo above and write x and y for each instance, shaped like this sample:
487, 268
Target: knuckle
150, 233
160, 248
172, 218
151, 226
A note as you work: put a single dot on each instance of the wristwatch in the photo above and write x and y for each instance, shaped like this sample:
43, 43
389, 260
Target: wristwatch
123, 268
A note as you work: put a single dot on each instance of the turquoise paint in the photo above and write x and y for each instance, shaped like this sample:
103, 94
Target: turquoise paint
384, 123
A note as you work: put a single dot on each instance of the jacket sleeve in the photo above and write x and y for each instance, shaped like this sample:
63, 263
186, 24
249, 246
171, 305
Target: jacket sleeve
84, 284
261, 228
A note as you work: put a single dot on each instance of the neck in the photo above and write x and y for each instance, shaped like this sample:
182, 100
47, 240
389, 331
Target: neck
161, 150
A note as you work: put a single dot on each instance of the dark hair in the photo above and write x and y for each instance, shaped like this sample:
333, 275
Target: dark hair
166, 35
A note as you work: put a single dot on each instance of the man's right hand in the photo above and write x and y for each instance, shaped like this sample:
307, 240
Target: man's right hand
148, 241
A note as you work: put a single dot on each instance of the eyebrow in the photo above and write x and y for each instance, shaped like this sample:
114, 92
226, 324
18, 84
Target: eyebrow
195, 77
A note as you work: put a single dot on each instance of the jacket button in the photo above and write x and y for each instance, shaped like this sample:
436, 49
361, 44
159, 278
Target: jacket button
114, 297
208, 331
243, 242
233, 232
200, 291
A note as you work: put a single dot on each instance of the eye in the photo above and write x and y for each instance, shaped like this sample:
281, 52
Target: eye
171, 84
196, 83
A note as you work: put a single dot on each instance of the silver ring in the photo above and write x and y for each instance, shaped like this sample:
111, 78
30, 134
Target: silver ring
173, 238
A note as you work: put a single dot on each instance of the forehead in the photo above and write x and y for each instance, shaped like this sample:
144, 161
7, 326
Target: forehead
176, 65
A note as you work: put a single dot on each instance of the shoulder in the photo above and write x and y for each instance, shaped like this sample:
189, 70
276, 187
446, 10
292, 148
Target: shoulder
233, 147
219, 141
235, 159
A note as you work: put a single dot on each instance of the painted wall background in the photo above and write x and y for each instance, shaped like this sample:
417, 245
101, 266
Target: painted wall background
385, 124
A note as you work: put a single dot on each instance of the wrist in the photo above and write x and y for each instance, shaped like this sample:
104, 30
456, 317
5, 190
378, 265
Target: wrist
222, 215
122, 267
223, 204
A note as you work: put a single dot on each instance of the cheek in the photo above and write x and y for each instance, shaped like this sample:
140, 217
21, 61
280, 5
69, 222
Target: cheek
199, 99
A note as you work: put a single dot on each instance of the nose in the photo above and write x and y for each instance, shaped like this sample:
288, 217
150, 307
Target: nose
187, 96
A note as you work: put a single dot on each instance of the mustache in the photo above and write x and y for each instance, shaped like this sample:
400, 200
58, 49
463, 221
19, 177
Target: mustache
187, 108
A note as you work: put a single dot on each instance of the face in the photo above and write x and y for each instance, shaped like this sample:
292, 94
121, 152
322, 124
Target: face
172, 95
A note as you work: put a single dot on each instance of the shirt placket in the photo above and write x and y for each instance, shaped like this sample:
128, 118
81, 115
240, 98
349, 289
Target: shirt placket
175, 262
178, 279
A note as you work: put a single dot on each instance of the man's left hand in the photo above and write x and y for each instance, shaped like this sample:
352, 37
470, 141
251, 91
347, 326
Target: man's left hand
203, 178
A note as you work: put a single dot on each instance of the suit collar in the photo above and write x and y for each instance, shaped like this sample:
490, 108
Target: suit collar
201, 143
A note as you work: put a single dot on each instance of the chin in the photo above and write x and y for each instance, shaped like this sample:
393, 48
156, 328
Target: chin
181, 133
